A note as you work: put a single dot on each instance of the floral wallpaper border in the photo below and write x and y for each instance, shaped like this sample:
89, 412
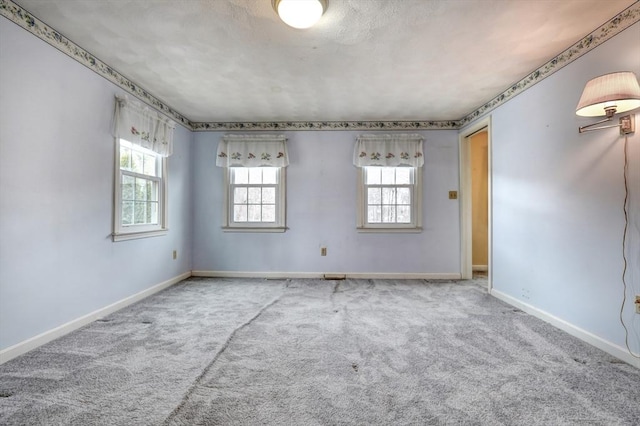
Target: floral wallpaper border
327, 125
23, 18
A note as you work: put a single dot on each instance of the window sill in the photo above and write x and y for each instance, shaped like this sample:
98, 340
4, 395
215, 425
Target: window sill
137, 235
390, 230
253, 229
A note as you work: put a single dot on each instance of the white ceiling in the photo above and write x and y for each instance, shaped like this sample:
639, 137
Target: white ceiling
235, 61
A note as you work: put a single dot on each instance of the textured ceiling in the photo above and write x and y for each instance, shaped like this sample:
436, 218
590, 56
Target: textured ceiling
235, 61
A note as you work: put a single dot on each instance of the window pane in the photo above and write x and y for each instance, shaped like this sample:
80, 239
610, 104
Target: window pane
137, 160
403, 175
155, 191
255, 196
270, 175
149, 167
139, 212
374, 214
388, 175
240, 213
150, 191
255, 175
127, 212
125, 157
404, 214
255, 213
127, 187
152, 213
240, 195
373, 175
269, 213
374, 196
388, 214
404, 195
141, 189
240, 175
388, 195
269, 195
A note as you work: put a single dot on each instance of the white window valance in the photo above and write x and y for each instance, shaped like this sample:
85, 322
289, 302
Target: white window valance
388, 150
252, 151
143, 126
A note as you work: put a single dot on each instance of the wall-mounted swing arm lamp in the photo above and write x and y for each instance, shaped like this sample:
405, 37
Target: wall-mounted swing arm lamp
300, 13
607, 95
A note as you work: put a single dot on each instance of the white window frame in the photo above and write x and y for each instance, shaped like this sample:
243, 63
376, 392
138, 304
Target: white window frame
415, 226
229, 225
123, 232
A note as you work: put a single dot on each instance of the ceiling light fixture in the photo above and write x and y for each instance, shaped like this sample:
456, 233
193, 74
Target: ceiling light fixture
300, 13
607, 95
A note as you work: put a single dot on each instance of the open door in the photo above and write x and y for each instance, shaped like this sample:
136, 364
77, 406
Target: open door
475, 200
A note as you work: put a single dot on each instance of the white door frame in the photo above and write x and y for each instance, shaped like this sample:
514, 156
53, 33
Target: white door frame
466, 235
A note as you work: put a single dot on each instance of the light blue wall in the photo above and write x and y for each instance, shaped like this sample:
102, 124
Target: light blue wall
557, 201
558, 197
321, 211
57, 260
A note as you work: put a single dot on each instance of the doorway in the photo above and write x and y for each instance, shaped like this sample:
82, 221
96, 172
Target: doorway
475, 206
479, 156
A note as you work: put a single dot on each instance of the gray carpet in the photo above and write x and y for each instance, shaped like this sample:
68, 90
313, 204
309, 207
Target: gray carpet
313, 352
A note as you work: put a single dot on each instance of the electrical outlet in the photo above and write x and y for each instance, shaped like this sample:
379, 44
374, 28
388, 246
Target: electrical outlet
323, 251
453, 195
175, 254
637, 303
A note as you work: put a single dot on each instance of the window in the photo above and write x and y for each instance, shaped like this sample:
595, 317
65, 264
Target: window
254, 182
140, 192
389, 198
255, 198
143, 140
389, 182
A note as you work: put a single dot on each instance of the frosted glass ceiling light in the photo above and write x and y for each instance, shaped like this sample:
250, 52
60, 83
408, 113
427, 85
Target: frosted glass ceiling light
300, 13
608, 95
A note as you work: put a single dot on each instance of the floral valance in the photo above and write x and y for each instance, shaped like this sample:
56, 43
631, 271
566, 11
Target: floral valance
252, 151
388, 150
143, 126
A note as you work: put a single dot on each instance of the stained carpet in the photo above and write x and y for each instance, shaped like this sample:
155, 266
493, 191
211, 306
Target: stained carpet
313, 352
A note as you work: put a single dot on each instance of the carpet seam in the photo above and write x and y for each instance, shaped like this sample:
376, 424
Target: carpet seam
208, 367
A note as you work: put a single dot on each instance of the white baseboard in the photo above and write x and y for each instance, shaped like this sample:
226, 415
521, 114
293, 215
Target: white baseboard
590, 338
39, 340
356, 275
401, 276
268, 275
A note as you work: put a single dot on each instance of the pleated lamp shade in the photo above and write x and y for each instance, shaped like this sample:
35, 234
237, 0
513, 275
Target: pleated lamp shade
618, 91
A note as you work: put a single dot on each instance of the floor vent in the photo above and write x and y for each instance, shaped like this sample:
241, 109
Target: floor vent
334, 277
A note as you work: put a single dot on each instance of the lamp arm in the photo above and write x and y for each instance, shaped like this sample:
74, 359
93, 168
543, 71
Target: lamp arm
626, 125
587, 128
